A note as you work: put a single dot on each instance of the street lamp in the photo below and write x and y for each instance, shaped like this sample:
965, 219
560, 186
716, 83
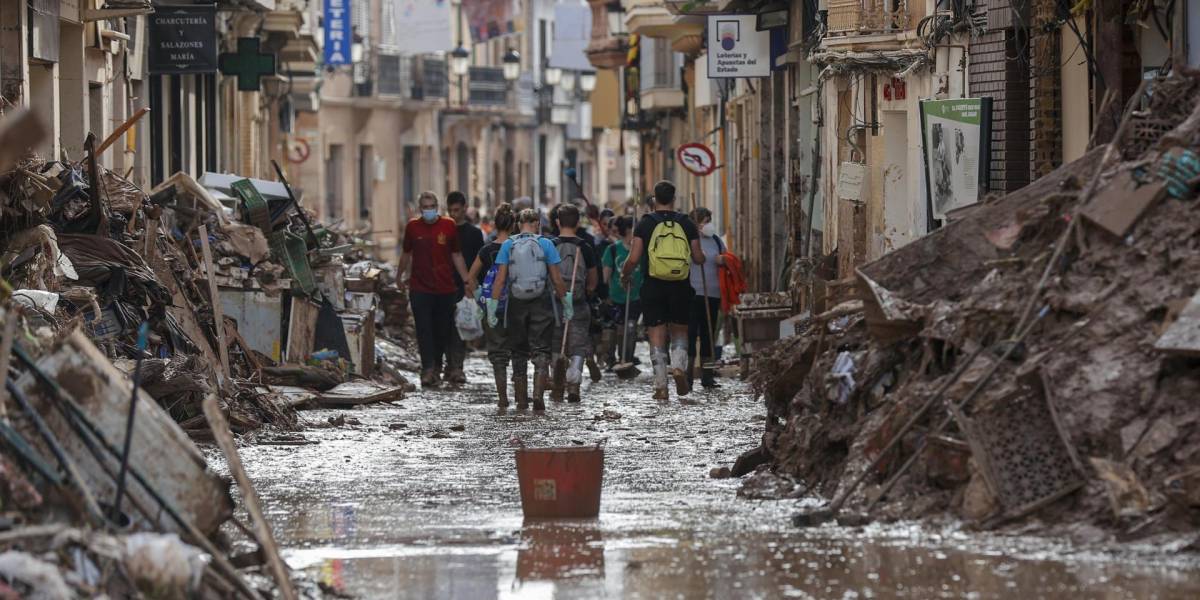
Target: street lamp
552, 76
568, 82
460, 61
587, 81
512, 65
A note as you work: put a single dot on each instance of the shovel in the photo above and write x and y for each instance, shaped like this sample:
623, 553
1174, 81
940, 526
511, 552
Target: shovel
559, 379
626, 369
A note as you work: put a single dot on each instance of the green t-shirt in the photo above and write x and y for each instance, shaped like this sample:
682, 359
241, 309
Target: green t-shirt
614, 258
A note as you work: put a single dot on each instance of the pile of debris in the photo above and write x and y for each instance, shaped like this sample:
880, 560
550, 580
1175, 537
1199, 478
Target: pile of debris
1033, 362
224, 307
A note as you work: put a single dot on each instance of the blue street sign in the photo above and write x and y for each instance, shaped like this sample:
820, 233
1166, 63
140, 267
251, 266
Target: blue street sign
338, 36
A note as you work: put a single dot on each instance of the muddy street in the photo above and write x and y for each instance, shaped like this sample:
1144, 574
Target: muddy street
420, 500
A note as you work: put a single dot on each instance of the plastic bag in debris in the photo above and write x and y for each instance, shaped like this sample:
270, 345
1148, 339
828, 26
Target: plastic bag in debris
843, 372
162, 565
39, 299
469, 319
42, 577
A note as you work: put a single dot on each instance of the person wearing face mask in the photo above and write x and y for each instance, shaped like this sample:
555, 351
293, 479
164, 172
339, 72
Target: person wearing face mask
708, 297
431, 248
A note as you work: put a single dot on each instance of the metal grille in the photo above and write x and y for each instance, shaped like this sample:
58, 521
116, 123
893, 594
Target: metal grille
1026, 459
391, 75
487, 86
434, 82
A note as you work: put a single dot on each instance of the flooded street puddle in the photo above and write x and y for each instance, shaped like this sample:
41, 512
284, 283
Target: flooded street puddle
421, 500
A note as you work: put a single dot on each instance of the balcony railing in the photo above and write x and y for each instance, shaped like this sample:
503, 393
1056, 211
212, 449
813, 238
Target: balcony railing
487, 86
867, 16
411, 77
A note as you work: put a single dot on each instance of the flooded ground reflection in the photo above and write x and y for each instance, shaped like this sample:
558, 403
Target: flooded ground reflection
421, 501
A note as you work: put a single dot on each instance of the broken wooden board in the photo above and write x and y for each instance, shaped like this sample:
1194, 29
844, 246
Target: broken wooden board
1121, 202
294, 397
302, 329
356, 393
1183, 336
161, 451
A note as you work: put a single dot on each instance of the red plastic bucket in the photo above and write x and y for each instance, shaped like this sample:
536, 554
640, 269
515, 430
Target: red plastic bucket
560, 483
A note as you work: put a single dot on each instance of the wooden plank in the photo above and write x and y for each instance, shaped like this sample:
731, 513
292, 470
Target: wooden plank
6, 341
266, 540
360, 392
302, 327
214, 295
1183, 336
1118, 206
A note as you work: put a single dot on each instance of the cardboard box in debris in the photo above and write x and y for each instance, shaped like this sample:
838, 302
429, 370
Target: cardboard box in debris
295, 297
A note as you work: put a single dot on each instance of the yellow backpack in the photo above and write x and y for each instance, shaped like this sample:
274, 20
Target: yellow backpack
670, 252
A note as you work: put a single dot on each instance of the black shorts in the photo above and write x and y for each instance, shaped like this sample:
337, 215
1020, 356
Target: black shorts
666, 302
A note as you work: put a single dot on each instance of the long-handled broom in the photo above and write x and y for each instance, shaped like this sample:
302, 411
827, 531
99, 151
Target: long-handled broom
560, 364
626, 369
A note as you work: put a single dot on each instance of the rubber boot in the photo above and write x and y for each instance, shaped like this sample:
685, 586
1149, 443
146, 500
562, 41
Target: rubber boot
501, 372
573, 393
556, 392
679, 366
658, 358
541, 377
708, 379
520, 388
594, 369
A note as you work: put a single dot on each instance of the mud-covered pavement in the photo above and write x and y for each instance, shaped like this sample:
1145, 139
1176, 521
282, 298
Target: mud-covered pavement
420, 501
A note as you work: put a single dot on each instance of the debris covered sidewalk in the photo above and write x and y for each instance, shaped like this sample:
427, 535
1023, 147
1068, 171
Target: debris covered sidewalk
1032, 363
133, 324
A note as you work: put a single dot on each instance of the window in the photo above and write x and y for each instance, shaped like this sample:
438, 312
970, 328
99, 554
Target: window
366, 180
333, 182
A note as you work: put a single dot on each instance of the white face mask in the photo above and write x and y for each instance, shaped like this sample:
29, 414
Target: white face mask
709, 230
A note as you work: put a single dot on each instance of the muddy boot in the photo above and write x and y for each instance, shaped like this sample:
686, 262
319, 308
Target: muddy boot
501, 372
708, 379
680, 367
456, 377
556, 387
594, 369
658, 359
573, 393
429, 379
541, 377
520, 389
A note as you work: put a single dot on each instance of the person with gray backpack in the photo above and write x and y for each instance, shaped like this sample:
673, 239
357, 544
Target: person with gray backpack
525, 262
579, 267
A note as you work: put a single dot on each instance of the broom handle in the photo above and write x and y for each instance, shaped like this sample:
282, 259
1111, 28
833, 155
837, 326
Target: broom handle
712, 354
567, 322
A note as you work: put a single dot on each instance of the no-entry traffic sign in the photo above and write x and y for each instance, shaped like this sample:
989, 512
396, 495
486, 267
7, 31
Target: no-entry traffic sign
697, 158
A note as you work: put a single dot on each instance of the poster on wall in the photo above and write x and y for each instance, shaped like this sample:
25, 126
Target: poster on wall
490, 18
956, 138
736, 48
417, 26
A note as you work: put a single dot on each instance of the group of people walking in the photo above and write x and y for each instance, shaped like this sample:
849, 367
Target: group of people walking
559, 297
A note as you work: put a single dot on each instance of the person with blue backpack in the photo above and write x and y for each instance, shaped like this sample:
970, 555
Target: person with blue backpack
524, 273
482, 277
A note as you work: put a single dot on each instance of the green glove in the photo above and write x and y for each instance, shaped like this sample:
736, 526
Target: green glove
569, 306
492, 306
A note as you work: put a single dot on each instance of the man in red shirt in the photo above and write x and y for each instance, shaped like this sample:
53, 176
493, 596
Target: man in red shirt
431, 248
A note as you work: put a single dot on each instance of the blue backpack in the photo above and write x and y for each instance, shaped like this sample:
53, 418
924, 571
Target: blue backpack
485, 290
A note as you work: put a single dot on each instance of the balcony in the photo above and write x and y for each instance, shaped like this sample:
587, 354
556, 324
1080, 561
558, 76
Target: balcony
486, 87
849, 17
412, 77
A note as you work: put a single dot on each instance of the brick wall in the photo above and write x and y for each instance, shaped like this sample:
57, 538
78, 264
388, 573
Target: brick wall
994, 74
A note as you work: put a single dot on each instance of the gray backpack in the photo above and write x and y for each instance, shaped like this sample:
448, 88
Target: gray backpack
527, 268
571, 252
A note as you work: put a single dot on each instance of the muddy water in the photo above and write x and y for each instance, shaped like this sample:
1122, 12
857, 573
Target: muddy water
405, 506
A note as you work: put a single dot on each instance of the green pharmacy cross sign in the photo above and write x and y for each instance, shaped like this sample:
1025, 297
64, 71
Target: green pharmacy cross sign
248, 64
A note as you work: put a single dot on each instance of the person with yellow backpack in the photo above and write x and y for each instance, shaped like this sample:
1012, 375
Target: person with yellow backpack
666, 244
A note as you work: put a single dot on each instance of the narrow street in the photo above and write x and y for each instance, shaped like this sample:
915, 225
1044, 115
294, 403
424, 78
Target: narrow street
398, 503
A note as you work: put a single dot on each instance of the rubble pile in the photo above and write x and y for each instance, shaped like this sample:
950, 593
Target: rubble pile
219, 303
1045, 345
